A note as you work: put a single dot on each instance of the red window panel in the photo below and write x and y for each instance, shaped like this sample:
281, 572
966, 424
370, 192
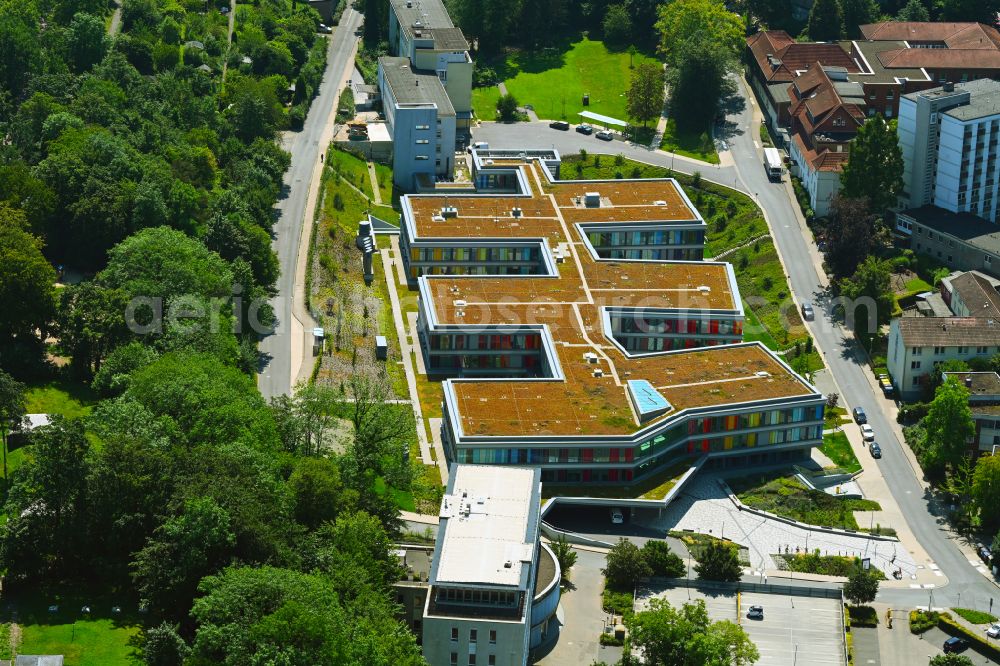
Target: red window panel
704, 445
706, 425
690, 447
586, 476
613, 455
714, 326
613, 473
628, 475
692, 326
629, 453
588, 455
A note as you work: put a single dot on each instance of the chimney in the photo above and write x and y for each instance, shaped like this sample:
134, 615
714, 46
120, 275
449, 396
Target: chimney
948, 87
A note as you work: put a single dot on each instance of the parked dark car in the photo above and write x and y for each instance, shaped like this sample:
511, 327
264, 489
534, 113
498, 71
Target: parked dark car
859, 415
755, 613
955, 644
875, 450
585, 129
985, 554
559, 125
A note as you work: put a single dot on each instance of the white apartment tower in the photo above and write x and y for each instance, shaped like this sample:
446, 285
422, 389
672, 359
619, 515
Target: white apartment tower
949, 140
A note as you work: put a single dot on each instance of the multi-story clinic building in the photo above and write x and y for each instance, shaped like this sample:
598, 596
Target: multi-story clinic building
578, 331
948, 137
494, 587
426, 88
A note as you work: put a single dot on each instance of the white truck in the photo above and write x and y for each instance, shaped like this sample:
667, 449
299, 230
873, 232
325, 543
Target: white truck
772, 163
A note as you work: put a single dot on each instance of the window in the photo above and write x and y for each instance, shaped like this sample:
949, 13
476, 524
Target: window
423, 127
421, 157
988, 259
982, 349
492, 660
916, 381
422, 141
493, 636
454, 659
963, 350
454, 633
888, 113
473, 635
472, 659
914, 365
916, 351
938, 351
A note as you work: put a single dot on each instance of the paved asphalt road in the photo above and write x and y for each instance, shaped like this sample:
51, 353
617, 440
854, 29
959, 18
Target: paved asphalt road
276, 349
849, 372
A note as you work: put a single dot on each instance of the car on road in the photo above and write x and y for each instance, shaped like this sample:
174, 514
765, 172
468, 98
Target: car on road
585, 129
886, 384
955, 644
875, 450
993, 631
559, 125
325, 29
755, 613
616, 517
807, 311
867, 433
859, 416
605, 135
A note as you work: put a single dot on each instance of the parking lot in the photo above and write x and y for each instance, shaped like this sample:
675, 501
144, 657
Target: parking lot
796, 630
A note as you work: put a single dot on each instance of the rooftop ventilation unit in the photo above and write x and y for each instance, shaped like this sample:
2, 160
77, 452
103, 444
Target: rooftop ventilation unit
659, 202
598, 372
437, 218
590, 357
488, 162
704, 289
763, 373
460, 304
592, 199
449, 211
516, 212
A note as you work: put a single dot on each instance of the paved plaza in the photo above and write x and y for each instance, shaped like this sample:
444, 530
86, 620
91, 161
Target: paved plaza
704, 507
795, 631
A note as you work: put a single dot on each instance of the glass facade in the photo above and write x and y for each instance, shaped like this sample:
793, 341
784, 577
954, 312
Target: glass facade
687, 441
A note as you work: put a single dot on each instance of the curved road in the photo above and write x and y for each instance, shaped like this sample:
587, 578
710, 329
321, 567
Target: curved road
277, 349
800, 257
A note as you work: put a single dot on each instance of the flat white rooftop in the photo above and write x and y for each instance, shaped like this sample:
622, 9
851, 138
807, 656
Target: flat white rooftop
489, 518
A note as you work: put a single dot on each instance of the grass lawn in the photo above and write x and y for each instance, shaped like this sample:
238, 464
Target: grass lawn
836, 447
975, 616
66, 398
98, 642
484, 102
835, 416
787, 496
697, 542
689, 144
555, 80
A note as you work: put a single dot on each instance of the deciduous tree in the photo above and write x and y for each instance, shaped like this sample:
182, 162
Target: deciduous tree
708, 20
671, 636
826, 21
869, 298
986, 490
661, 560
617, 26
13, 406
874, 169
850, 237
644, 99
27, 300
698, 82
719, 560
565, 555
949, 426
507, 108
915, 11
625, 565
861, 587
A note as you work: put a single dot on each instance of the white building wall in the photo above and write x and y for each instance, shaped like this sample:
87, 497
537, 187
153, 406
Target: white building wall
510, 648
906, 131
949, 165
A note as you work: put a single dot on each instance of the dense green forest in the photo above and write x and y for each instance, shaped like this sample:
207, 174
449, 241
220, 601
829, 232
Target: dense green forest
145, 166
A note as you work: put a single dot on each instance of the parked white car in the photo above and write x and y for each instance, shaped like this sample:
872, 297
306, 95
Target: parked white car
867, 432
993, 631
